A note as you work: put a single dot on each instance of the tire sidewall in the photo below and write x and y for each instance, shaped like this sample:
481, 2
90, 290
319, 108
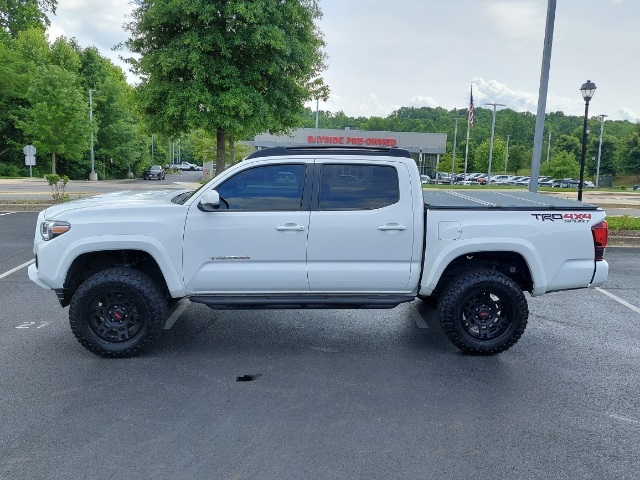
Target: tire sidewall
453, 301
148, 299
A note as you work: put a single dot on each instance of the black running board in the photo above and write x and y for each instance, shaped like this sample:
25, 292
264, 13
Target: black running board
244, 302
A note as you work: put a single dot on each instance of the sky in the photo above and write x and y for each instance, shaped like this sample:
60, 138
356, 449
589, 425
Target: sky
383, 55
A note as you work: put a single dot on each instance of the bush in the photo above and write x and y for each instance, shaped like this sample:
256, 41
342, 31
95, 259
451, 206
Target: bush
7, 170
58, 186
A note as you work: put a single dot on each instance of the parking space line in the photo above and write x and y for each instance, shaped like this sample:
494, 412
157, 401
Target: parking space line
417, 318
8, 213
182, 306
9, 272
619, 300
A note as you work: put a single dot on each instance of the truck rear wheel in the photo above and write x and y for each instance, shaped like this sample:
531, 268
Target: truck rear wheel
117, 312
483, 312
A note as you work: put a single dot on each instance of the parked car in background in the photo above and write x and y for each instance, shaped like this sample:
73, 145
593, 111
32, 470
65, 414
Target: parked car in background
500, 179
154, 172
442, 178
187, 166
425, 179
548, 182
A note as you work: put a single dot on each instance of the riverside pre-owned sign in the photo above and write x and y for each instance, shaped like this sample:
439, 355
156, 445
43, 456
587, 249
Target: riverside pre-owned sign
346, 140
416, 142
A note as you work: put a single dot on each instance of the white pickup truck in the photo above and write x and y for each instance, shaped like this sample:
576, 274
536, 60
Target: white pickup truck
315, 228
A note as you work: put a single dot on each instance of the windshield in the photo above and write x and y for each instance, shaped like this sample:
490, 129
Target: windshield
184, 196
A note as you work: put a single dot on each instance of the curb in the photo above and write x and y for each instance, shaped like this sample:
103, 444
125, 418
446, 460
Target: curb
615, 241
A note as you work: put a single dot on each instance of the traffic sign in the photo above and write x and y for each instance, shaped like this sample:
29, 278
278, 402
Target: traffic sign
29, 150
29, 159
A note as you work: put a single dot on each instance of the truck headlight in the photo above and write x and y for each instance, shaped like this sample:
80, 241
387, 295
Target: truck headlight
52, 229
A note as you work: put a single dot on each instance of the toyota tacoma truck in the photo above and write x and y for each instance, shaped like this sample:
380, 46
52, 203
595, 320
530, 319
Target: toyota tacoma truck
320, 227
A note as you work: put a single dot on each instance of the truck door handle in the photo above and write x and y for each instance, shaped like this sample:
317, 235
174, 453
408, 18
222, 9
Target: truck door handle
391, 226
290, 227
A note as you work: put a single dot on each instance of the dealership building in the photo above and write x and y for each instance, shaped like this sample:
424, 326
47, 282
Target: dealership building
426, 148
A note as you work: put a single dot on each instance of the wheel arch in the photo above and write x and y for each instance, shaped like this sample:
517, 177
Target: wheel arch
510, 263
88, 263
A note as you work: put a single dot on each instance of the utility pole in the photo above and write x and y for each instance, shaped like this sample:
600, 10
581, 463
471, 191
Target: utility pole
493, 127
506, 160
549, 147
601, 117
453, 154
93, 176
542, 95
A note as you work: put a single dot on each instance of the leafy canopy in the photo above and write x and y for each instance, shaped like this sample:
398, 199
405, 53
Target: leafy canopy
237, 66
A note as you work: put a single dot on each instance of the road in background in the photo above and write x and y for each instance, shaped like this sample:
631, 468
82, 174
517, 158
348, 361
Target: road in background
335, 394
38, 188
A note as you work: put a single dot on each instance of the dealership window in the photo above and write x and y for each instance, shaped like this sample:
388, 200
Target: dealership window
357, 187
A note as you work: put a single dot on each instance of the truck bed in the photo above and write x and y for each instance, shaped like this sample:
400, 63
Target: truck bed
494, 200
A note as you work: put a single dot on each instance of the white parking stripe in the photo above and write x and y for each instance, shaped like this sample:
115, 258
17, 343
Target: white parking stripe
619, 300
9, 272
8, 213
182, 306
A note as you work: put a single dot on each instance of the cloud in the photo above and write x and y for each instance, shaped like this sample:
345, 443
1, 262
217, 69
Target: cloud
492, 91
421, 101
91, 23
518, 20
624, 113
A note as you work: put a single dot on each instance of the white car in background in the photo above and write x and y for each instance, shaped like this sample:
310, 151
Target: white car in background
500, 179
187, 166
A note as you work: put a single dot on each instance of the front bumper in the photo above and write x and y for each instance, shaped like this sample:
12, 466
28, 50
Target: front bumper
33, 276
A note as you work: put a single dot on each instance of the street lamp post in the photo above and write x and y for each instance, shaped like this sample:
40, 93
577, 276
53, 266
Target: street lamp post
93, 176
453, 154
493, 127
506, 159
549, 147
587, 89
601, 117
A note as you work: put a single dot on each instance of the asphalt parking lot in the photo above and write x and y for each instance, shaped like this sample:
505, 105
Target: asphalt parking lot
335, 394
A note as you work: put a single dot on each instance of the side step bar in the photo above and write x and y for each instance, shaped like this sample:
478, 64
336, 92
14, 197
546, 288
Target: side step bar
245, 302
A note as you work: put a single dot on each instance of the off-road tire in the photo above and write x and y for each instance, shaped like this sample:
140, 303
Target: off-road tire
483, 312
117, 312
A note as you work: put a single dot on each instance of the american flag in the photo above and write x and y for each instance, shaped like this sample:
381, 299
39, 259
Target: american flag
471, 108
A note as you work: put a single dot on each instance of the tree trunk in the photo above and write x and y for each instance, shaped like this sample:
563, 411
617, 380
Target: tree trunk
53, 162
220, 150
232, 150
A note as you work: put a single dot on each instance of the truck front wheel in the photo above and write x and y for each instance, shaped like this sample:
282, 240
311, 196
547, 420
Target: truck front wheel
483, 312
117, 312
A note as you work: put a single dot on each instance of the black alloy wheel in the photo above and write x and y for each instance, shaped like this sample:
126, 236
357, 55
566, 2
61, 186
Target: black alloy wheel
117, 312
483, 312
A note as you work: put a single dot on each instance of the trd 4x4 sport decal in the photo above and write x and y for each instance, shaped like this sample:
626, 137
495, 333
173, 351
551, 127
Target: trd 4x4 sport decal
563, 217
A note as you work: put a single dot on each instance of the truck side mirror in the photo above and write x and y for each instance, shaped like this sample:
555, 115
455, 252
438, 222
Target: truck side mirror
209, 201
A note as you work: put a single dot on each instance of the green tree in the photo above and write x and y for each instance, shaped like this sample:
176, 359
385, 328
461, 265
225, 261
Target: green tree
607, 155
121, 136
497, 158
566, 143
55, 120
19, 15
631, 154
561, 165
519, 158
229, 66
